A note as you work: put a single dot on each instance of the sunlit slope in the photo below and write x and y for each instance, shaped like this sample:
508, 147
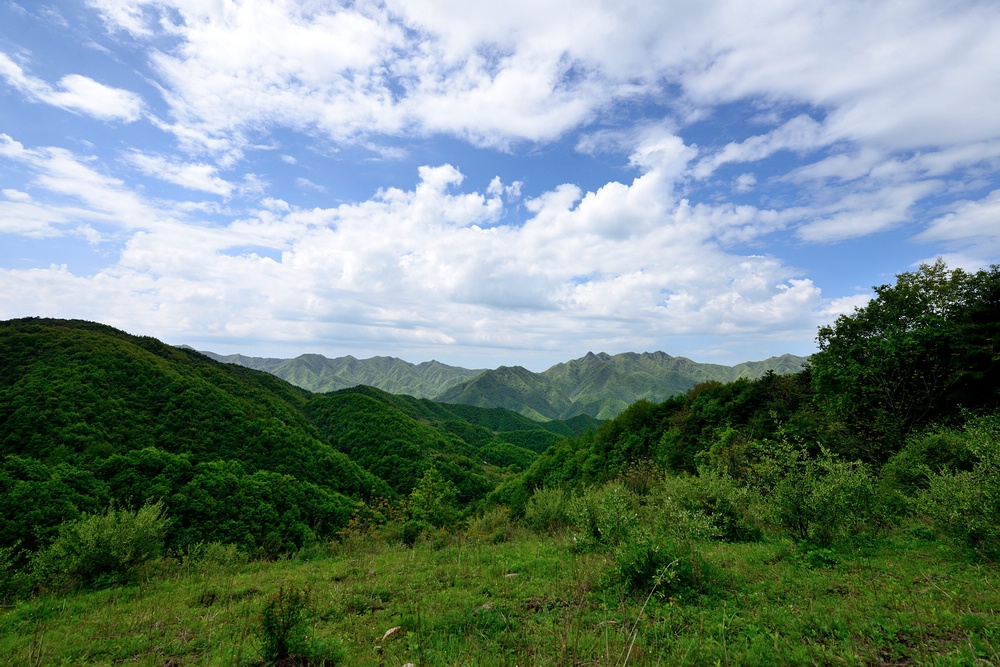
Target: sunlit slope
602, 385
80, 392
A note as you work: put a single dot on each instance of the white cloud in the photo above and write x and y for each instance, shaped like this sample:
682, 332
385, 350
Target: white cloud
903, 75
75, 93
744, 183
195, 176
972, 227
801, 133
626, 264
16, 195
862, 213
305, 183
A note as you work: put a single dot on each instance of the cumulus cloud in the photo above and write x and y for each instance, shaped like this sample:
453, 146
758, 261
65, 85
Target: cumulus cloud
429, 265
869, 110
900, 75
75, 93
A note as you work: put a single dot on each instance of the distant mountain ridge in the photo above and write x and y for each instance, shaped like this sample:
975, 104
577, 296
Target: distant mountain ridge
321, 374
600, 385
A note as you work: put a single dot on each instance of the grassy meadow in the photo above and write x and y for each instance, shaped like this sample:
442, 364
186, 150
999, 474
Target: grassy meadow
533, 600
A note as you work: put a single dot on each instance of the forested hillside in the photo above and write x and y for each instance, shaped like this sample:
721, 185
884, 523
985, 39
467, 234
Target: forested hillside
92, 416
321, 374
892, 385
602, 385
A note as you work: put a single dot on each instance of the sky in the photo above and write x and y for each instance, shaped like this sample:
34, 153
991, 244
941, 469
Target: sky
488, 183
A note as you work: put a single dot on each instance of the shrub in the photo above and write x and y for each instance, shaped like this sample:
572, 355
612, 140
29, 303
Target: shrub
111, 545
284, 627
493, 525
603, 516
412, 530
7, 558
965, 505
819, 500
283, 631
716, 496
649, 563
433, 500
547, 510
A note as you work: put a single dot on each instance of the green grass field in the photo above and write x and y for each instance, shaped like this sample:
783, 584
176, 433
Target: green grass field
534, 601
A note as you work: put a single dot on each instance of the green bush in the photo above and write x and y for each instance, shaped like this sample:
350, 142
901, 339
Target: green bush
546, 510
434, 500
650, 563
716, 496
412, 530
818, 500
603, 516
965, 505
493, 525
7, 572
284, 631
111, 545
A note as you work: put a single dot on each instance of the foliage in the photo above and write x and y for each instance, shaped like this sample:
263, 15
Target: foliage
283, 631
603, 516
433, 500
547, 509
964, 505
730, 507
8, 558
506, 455
494, 526
821, 500
919, 351
112, 545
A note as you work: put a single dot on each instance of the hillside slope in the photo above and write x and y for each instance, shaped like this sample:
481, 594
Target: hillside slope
321, 374
90, 416
602, 385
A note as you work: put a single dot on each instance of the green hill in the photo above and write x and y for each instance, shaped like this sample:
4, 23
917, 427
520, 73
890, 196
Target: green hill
602, 385
320, 374
90, 415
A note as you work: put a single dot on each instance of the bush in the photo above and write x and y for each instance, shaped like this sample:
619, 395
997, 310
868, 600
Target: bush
8, 555
284, 628
112, 545
965, 505
284, 631
493, 525
603, 516
546, 510
716, 496
412, 530
433, 500
648, 563
821, 500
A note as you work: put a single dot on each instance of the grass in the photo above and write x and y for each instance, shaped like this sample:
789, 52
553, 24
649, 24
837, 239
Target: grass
534, 601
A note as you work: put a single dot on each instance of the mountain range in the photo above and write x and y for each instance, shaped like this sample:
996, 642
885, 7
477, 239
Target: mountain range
598, 385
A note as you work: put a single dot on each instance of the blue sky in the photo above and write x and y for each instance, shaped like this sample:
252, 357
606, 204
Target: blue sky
490, 183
